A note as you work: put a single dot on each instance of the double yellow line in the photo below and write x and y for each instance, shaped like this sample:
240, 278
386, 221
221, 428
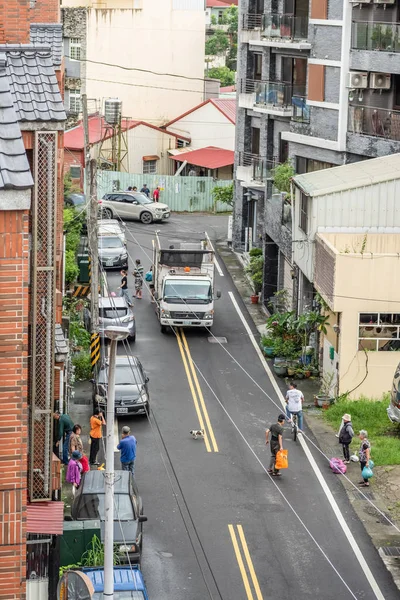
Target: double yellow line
240, 547
198, 399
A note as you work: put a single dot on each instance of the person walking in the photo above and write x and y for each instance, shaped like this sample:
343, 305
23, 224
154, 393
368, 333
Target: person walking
294, 403
65, 426
364, 454
96, 423
138, 274
345, 436
123, 288
74, 471
127, 448
145, 190
276, 431
156, 194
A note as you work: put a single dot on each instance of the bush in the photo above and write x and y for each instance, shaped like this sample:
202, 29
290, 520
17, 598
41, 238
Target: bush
225, 75
256, 271
71, 267
282, 175
255, 252
218, 43
79, 335
83, 367
223, 194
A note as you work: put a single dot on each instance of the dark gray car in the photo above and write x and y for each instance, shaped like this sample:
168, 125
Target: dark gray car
131, 389
88, 505
112, 252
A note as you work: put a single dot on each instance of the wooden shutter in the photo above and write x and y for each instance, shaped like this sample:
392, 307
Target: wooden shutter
316, 83
319, 9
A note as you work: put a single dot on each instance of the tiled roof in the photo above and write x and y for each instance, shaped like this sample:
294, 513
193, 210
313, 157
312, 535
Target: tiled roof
49, 34
14, 167
33, 83
227, 106
221, 3
209, 158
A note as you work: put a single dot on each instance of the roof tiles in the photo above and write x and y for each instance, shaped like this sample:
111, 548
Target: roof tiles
14, 167
49, 34
33, 83
209, 157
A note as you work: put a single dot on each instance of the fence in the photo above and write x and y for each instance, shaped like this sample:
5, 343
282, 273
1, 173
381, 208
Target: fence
182, 194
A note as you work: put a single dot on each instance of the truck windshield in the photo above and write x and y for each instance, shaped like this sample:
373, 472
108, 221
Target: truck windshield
193, 292
126, 595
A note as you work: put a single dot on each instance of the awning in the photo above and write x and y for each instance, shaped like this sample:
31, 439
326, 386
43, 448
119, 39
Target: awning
151, 157
209, 158
176, 151
45, 517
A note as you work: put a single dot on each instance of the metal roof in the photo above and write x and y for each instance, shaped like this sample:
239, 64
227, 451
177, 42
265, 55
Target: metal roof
33, 83
209, 158
49, 34
14, 167
45, 517
227, 106
346, 177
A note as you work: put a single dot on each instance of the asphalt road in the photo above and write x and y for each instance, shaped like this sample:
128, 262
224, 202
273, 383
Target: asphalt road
218, 526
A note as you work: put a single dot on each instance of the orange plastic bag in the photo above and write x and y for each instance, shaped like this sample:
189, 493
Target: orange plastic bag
281, 461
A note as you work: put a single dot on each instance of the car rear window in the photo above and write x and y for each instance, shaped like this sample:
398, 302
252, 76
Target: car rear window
113, 313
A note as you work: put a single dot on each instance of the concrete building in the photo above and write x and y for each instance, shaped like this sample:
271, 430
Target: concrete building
317, 85
158, 45
215, 10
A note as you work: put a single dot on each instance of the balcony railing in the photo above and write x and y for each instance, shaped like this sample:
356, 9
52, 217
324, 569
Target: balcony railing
377, 122
287, 27
272, 93
301, 111
261, 169
383, 37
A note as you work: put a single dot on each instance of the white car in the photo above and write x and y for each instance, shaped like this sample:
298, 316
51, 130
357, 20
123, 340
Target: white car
133, 205
112, 227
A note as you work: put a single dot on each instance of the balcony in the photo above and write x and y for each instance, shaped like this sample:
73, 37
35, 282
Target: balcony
254, 170
375, 46
300, 109
373, 131
276, 30
269, 97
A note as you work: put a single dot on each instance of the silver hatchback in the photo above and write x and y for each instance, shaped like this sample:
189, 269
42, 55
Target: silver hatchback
115, 311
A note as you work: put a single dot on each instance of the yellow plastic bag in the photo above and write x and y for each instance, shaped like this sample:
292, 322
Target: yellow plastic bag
281, 461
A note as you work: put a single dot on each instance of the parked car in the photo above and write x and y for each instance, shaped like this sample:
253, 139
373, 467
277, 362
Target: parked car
131, 387
128, 582
393, 409
115, 311
112, 252
133, 205
88, 505
77, 201
112, 227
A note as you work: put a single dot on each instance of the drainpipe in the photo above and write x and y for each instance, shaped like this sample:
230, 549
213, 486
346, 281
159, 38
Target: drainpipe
344, 70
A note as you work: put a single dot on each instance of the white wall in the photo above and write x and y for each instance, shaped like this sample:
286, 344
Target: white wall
156, 37
206, 126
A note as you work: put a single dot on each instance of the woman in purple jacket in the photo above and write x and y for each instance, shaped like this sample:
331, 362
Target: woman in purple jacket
74, 470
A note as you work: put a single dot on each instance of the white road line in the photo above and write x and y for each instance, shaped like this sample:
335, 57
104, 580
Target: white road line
220, 272
342, 522
116, 436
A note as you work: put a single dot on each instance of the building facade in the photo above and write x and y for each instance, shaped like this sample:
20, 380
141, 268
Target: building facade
159, 45
317, 84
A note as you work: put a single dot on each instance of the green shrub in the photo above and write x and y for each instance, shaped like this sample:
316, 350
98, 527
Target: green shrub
79, 335
71, 267
255, 252
83, 367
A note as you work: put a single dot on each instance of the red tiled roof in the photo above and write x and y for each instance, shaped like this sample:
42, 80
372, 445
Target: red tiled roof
74, 138
209, 158
225, 105
218, 3
45, 517
227, 89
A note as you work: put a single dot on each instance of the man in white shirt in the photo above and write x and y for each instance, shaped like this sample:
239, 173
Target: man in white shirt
294, 403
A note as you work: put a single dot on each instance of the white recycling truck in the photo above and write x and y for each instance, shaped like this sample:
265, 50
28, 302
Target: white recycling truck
183, 278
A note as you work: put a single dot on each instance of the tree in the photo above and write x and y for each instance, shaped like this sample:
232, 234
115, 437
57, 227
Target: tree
218, 43
231, 18
282, 175
69, 186
225, 75
223, 194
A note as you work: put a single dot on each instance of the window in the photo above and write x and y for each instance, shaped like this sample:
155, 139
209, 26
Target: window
257, 75
75, 48
149, 167
75, 101
75, 171
379, 331
181, 143
304, 212
308, 165
220, 17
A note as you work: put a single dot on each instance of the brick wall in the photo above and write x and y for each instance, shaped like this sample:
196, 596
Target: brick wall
14, 306
74, 158
17, 15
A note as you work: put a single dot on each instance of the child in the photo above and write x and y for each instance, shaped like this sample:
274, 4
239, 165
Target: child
74, 470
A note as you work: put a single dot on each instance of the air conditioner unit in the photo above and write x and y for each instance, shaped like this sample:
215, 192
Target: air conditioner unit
361, 1
384, 1
379, 81
358, 79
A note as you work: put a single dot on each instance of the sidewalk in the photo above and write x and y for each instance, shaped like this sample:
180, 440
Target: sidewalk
384, 490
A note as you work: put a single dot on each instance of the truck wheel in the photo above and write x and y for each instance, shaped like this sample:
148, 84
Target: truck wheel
163, 329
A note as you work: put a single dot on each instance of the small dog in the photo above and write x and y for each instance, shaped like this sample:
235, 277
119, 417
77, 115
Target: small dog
195, 433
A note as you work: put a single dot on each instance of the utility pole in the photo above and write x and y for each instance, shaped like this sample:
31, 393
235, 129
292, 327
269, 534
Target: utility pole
92, 213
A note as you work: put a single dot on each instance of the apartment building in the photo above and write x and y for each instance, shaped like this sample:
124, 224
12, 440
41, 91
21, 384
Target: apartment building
318, 85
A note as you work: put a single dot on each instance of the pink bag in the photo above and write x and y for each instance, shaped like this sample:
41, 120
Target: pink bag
337, 466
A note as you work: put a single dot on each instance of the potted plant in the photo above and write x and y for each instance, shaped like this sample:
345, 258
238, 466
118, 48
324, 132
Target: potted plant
325, 397
256, 272
280, 368
299, 373
267, 344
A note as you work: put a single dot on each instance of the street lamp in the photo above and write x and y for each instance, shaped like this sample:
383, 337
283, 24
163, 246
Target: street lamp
114, 334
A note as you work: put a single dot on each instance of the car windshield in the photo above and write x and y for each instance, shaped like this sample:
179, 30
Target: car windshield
110, 242
124, 375
126, 595
142, 198
77, 199
113, 313
91, 506
195, 292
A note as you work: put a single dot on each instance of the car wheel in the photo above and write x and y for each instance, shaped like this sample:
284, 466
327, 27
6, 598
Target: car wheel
108, 214
146, 218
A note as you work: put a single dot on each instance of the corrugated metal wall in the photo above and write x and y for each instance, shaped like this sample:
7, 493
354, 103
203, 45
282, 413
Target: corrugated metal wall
182, 194
188, 5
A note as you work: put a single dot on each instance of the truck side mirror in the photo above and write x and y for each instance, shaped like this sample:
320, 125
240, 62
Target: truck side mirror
142, 519
218, 293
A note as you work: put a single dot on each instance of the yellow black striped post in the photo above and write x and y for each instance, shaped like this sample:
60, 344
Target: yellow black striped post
94, 349
81, 291
90, 269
